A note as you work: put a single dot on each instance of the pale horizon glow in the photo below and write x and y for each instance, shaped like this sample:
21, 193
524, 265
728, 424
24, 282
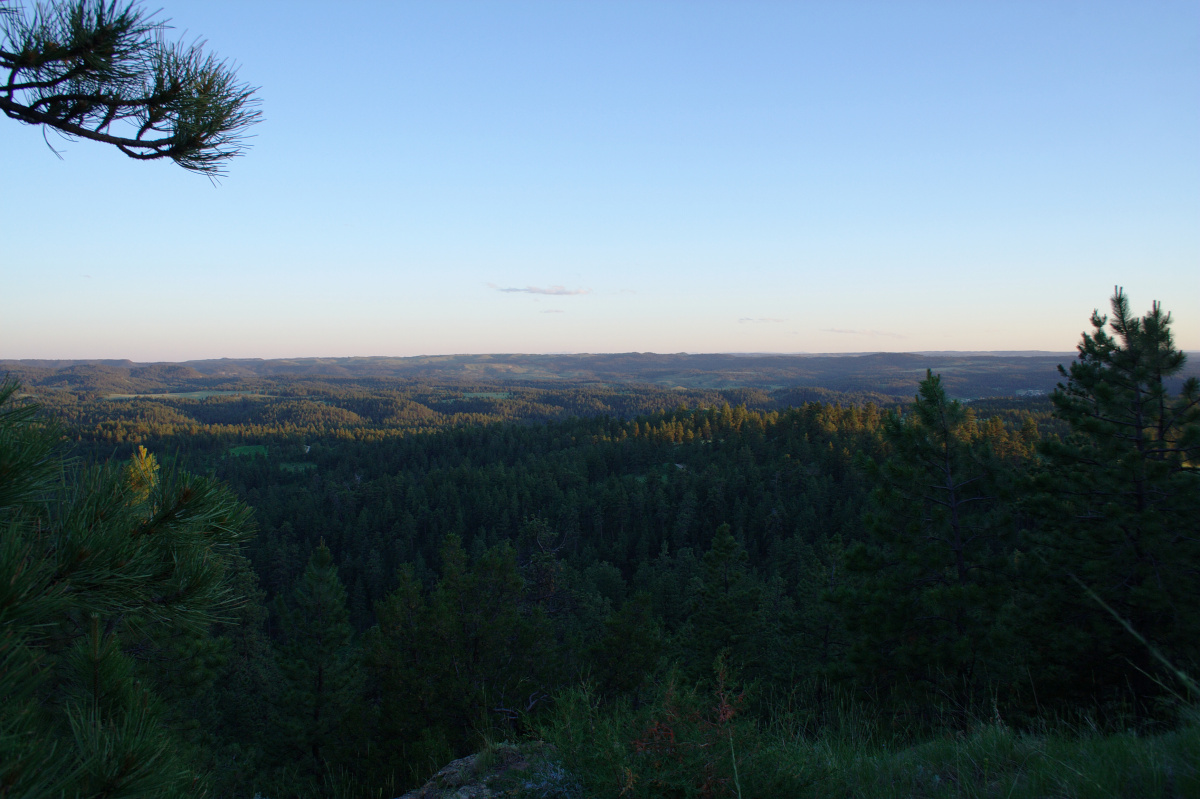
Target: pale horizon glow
540, 177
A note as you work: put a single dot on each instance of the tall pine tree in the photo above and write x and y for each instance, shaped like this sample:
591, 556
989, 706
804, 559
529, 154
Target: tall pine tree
1117, 512
320, 668
456, 663
934, 571
725, 621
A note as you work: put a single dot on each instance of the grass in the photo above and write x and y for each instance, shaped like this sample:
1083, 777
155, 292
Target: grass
248, 450
993, 761
669, 748
299, 466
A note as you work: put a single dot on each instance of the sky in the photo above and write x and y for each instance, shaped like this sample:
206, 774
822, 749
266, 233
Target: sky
484, 177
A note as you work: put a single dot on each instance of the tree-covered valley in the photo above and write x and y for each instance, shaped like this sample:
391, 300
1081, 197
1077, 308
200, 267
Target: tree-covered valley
318, 585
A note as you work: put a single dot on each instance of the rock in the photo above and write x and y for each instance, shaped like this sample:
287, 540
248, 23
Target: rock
459, 780
504, 770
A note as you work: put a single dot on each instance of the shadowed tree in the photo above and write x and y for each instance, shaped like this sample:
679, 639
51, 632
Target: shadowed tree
627, 652
318, 663
934, 570
1118, 510
446, 666
726, 619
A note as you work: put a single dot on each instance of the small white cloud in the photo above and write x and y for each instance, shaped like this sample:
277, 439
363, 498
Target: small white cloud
554, 291
759, 320
553, 310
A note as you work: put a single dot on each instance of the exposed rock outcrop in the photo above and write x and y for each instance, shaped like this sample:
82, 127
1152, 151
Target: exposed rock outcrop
505, 770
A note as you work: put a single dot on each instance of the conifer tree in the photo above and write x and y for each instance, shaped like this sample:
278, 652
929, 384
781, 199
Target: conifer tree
403, 669
627, 652
450, 664
1117, 513
319, 665
90, 561
812, 630
933, 573
726, 619
103, 71
496, 645
224, 701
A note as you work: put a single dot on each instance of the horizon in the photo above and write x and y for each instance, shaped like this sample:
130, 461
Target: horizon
613, 177
863, 353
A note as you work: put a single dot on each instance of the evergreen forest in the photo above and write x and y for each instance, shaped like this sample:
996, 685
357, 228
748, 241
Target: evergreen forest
306, 586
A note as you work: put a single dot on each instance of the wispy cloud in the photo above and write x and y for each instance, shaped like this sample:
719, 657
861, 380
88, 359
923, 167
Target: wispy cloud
873, 333
553, 310
759, 320
554, 291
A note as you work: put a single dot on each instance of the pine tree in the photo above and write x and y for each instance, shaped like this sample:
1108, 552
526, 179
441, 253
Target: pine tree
319, 666
725, 621
626, 653
236, 710
102, 70
933, 572
404, 667
812, 630
450, 665
90, 561
497, 645
1117, 511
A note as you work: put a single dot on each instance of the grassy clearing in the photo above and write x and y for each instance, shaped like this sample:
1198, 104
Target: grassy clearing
994, 761
248, 450
299, 466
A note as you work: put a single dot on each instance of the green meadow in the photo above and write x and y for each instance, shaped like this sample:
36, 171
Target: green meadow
248, 450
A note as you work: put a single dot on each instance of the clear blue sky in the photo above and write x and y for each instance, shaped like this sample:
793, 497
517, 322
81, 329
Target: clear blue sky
447, 177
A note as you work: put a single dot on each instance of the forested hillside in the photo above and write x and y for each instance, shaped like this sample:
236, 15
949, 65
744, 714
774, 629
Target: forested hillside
884, 374
688, 593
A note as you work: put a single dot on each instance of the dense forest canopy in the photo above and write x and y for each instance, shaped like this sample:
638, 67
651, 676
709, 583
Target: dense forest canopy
437, 563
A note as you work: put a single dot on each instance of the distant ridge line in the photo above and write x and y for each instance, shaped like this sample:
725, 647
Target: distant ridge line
62, 363
966, 375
